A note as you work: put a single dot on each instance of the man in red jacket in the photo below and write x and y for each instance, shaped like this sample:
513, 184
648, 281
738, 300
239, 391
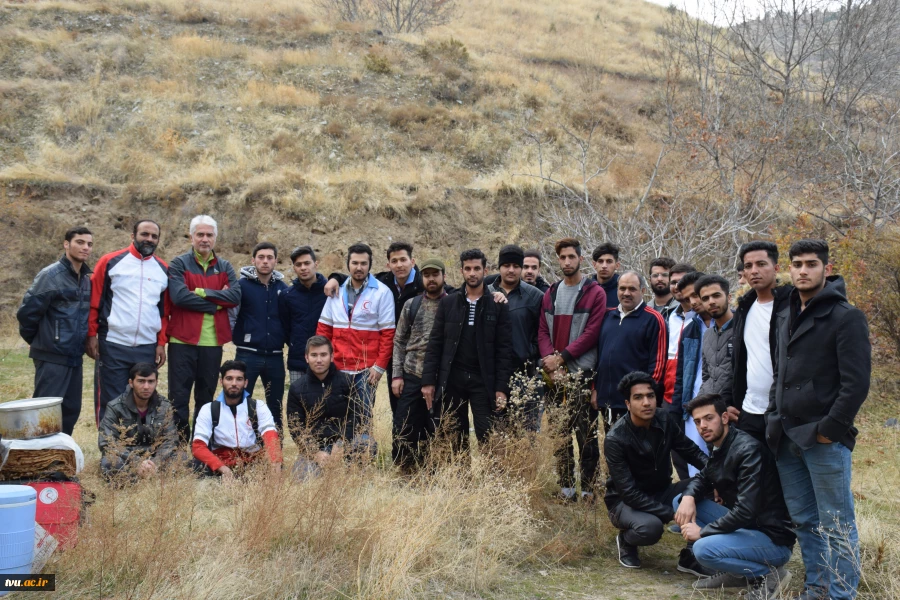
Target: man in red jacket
571, 315
201, 287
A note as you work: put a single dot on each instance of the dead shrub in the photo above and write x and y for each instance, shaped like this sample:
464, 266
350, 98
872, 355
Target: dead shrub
377, 62
335, 130
406, 117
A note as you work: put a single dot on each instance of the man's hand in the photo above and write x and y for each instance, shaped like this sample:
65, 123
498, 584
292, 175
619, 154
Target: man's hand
733, 414
331, 288
552, 362
690, 532
687, 511
822, 439
397, 386
428, 394
146, 469
160, 356
594, 399
92, 347
374, 376
500, 401
227, 475
500, 298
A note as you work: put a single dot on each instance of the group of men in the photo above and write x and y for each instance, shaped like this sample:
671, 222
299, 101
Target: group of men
754, 406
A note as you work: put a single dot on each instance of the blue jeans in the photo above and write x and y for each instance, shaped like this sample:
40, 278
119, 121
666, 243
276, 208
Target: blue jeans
271, 370
746, 552
362, 399
817, 492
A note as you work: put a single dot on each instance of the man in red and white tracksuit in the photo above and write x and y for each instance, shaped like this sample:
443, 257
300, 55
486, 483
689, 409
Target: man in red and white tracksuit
360, 324
233, 440
129, 313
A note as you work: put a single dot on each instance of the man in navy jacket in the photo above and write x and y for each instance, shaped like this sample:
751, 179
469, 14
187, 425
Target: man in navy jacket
256, 329
632, 338
301, 307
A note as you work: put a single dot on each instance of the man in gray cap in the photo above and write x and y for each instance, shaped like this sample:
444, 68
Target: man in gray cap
413, 425
524, 312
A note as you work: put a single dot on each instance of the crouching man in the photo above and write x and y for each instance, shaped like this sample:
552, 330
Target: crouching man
228, 429
747, 539
640, 492
137, 434
319, 406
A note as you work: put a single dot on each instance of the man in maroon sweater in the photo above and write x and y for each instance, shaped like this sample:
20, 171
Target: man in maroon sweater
571, 315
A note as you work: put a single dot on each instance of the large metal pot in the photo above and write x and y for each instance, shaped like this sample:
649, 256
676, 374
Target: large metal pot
31, 418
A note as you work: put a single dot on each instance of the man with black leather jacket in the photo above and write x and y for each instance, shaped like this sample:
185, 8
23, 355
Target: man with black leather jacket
468, 361
747, 539
639, 491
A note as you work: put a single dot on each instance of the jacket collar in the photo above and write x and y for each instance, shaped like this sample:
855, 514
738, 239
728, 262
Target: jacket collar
134, 252
318, 284
818, 306
198, 260
726, 443
130, 404
85, 269
655, 422
636, 312
332, 370
221, 398
249, 272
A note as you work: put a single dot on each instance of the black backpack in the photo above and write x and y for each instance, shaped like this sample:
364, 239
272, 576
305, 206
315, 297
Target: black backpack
215, 411
414, 308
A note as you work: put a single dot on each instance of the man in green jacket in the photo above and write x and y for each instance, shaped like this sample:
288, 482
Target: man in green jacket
137, 434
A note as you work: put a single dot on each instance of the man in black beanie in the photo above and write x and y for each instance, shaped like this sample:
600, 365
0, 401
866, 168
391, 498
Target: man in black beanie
524, 311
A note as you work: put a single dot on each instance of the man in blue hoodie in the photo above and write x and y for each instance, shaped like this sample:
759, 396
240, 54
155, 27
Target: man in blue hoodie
301, 307
256, 326
632, 338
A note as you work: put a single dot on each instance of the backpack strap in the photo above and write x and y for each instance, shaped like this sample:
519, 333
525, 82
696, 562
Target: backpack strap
414, 308
215, 410
254, 418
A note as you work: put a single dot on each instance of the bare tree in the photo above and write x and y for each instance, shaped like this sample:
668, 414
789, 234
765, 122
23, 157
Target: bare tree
410, 16
345, 10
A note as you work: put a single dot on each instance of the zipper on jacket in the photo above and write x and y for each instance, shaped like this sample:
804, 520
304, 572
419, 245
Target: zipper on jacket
56, 326
140, 304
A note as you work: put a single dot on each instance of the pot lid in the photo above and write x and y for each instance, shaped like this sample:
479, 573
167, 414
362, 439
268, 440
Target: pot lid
30, 403
15, 494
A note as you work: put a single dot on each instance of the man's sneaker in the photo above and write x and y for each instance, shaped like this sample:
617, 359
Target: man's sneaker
812, 594
720, 581
687, 563
567, 494
770, 586
628, 555
674, 528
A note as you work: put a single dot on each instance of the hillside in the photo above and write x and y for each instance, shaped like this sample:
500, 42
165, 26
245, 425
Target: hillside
294, 129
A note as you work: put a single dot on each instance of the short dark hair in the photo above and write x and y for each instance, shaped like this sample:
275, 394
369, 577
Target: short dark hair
663, 261
712, 280
817, 247
233, 365
606, 248
77, 231
300, 251
770, 248
714, 400
533, 254
681, 268
143, 369
473, 254
359, 248
567, 243
740, 266
317, 341
398, 247
690, 278
264, 246
632, 379
140, 221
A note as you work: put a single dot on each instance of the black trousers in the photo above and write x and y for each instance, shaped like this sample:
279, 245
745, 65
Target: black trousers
111, 371
641, 528
192, 367
581, 418
412, 425
60, 381
755, 425
465, 390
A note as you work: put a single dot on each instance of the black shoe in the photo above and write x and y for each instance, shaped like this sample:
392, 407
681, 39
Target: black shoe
687, 563
628, 555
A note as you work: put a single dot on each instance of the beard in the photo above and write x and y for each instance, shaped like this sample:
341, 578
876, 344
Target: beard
145, 248
236, 396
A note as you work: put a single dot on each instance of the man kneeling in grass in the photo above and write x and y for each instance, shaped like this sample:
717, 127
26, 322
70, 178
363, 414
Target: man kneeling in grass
747, 539
228, 429
319, 405
137, 434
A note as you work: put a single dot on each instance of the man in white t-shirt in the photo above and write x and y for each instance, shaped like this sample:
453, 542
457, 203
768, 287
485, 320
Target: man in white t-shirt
754, 334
